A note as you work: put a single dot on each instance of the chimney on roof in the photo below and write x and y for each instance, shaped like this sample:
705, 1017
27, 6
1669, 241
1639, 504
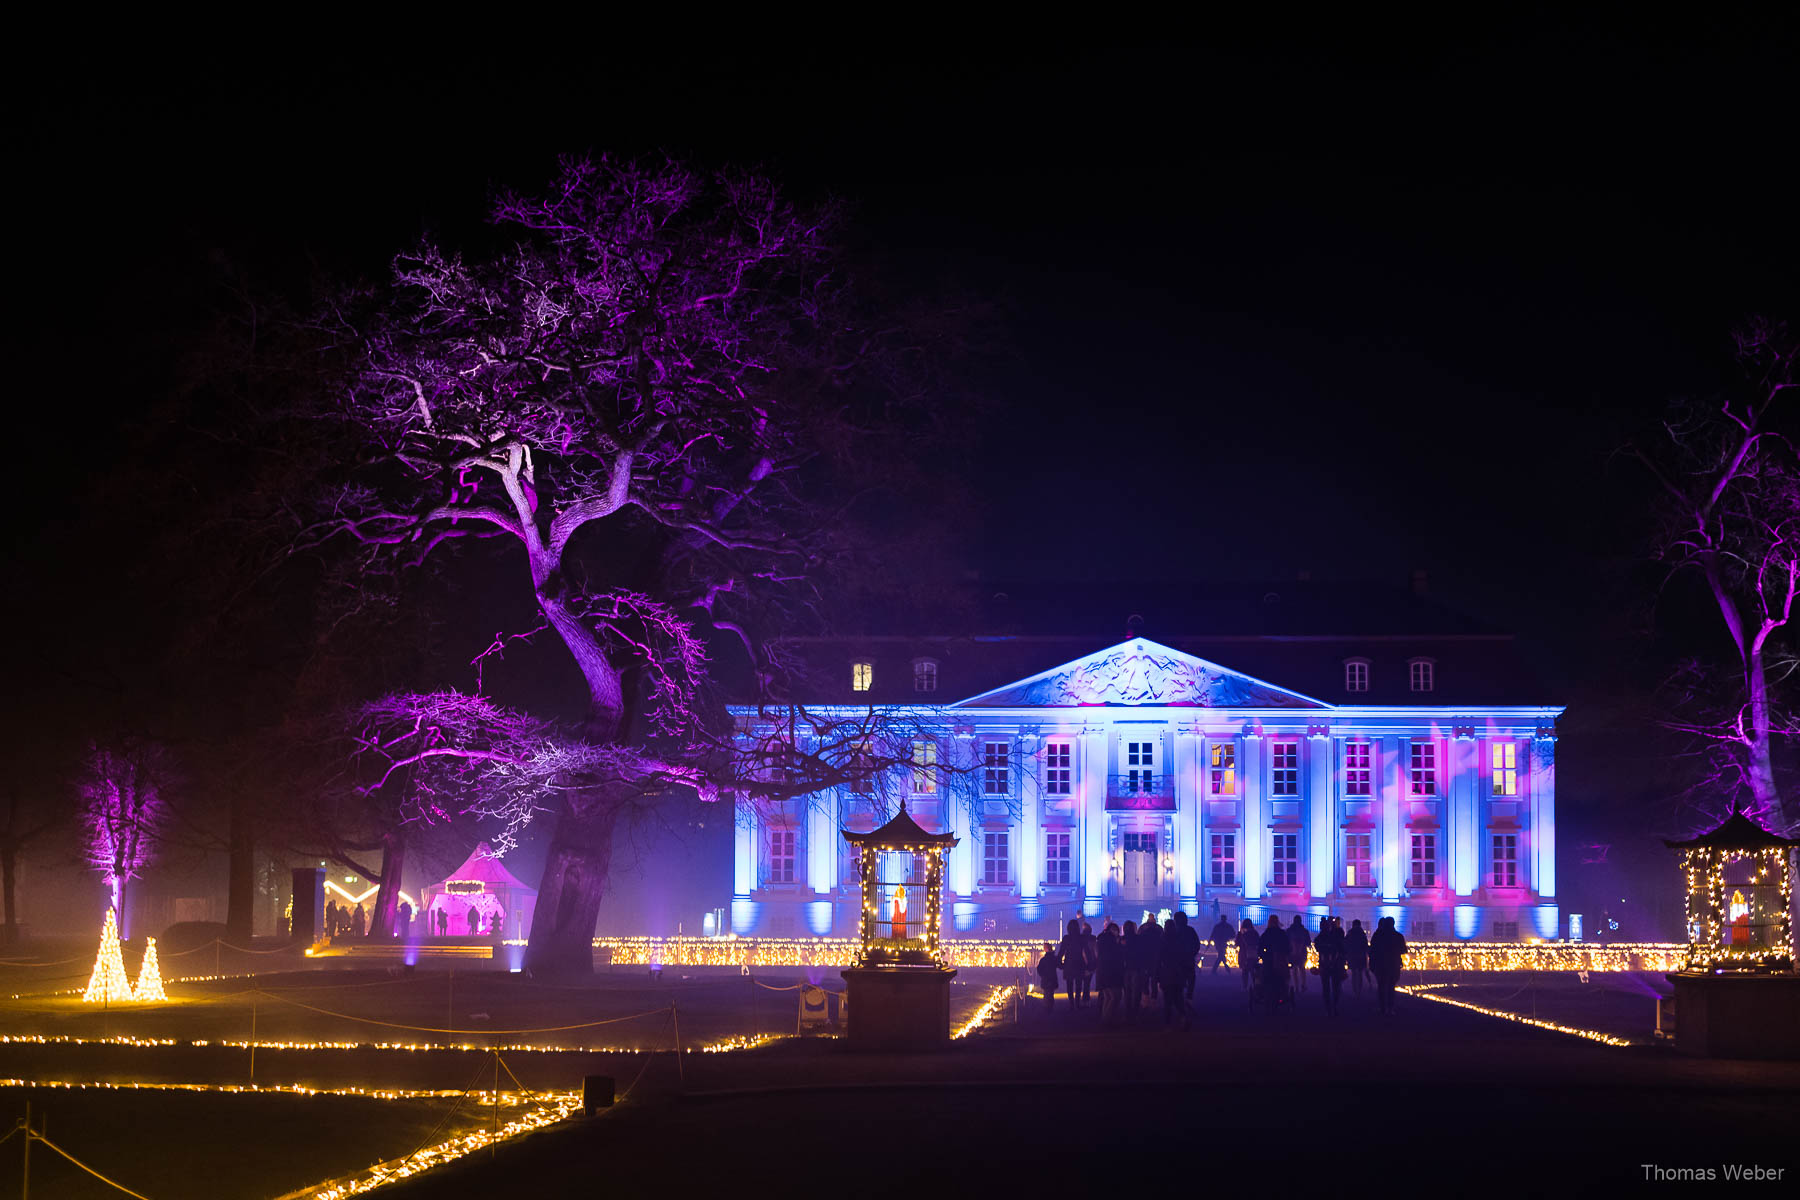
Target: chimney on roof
1418, 582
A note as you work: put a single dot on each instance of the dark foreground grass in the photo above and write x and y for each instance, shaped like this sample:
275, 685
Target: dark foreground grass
170, 1145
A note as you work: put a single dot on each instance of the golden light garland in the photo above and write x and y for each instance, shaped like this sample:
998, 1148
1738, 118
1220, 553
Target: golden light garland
487, 1099
995, 1001
555, 1107
1427, 992
1023, 954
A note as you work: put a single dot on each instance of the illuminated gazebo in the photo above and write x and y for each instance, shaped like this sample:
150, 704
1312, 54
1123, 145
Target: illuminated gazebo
899, 989
1739, 902
1737, 993
496, 898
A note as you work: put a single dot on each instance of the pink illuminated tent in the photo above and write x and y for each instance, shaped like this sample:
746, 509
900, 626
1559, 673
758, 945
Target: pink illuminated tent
484, 886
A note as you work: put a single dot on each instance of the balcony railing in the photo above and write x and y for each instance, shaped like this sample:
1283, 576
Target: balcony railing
1151, 790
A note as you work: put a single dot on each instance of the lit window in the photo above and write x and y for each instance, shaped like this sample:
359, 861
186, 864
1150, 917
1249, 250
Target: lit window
1357, 848
1224, 768
924, 768
1506, 860
1358, 774
996, 768
1506, 768
1424, 861
1419, 673
1356, 674
781, 856
1058, 773
1286, 861
994, 858
1284, 777
1140, 768
1222, 860
1056, 859
1424, 768
925, 674
862, 675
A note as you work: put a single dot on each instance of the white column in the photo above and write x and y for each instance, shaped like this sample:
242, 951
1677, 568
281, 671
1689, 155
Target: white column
1322, 759
1543, 817
1029, 853
1256, 821
1394, 767
957, 801
821, 842
1096, 861
1462, 822
744, 851
1187, 814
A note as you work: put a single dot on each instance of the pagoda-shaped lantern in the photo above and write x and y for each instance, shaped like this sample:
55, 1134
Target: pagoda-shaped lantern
899, 989
1736, 994
1739, 903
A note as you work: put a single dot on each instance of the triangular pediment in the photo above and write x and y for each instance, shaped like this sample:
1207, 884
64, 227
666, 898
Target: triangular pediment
1140, 673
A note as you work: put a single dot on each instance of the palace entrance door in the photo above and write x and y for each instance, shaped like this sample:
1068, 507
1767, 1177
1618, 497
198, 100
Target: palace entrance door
1140, 881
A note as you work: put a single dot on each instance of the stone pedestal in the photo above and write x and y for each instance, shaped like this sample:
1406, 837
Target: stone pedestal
899, 1008
1737, 1016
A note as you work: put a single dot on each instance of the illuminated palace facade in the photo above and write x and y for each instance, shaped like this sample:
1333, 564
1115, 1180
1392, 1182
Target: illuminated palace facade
1143, 776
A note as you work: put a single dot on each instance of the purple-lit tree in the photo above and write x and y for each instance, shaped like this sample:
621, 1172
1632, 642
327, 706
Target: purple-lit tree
1729, 479
410, 764
122, 787
660, 396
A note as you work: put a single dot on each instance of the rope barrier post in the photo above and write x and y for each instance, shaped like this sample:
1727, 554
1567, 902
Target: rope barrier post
494, 1145
25, 1185
680, 1070
253, 1029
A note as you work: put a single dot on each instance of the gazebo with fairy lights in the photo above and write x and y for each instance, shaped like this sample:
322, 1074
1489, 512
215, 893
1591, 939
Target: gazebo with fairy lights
1739, 902
1736, 994
899, 989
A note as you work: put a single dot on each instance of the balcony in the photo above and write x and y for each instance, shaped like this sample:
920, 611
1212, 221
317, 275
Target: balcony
1140, 791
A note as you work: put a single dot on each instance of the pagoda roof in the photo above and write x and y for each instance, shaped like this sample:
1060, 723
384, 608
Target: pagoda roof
899, 833
1736, 832
484, 866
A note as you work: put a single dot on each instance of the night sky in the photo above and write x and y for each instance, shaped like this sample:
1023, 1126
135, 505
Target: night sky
1356, 308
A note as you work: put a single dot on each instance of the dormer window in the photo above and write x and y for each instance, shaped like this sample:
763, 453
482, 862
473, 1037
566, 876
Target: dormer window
1356, 674
925, 674
862, 675
1420, 673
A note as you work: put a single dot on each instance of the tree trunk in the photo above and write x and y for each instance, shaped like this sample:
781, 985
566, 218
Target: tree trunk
1762, 765
568, 901
9, 866
240, 886
387, 900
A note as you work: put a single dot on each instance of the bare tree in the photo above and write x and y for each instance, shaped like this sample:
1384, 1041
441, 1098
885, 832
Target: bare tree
657, 396
1729, 480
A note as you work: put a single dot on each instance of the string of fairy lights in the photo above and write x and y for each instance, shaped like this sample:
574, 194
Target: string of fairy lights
1023, 954
1433, 992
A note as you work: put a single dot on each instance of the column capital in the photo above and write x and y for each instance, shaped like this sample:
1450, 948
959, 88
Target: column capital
1318, 731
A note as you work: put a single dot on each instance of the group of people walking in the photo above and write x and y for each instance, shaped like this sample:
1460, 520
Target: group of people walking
351, 921
1138, 962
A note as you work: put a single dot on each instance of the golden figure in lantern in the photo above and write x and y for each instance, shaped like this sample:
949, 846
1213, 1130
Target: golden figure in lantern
899, 920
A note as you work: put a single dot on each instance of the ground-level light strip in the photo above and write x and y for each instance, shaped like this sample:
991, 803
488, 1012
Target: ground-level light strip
1429, 992
1023, 954
990, 1008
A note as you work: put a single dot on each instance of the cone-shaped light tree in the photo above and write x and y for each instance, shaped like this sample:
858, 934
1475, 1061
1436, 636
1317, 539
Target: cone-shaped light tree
108, 984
